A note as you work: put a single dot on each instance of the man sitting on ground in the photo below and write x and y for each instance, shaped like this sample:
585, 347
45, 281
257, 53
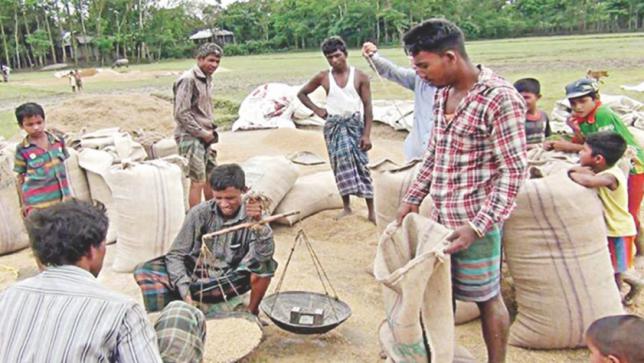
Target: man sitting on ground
64, 314
236, 262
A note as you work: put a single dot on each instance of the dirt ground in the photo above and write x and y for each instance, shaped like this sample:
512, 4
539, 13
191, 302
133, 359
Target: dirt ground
346, 247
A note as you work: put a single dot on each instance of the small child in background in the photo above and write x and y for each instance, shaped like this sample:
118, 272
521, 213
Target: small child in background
537, 125
40, 161
598, 159
78, 80
616, 339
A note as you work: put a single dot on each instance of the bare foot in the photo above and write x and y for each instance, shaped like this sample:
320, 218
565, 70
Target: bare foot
372, 218
636, 286
344, 213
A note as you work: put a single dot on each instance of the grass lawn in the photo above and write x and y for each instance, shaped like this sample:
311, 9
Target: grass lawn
555, 61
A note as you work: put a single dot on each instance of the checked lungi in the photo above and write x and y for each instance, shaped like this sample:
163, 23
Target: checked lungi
208, 287
349, 163
181, 332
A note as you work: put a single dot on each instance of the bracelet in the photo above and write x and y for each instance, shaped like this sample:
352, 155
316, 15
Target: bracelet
476, 230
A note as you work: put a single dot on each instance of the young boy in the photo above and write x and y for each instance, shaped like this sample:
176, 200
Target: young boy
196, 133
616, 339
348, 123
598, 158
40, 161
590, 116
240, 261
537, 125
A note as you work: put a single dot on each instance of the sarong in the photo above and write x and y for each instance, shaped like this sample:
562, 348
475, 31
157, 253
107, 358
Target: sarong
181, 332
622, 253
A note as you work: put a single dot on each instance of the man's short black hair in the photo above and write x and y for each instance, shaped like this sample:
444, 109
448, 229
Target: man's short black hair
63, 233
29, 109
332, 44
228, 175
608, 144
619, 336
528, 85
435, 36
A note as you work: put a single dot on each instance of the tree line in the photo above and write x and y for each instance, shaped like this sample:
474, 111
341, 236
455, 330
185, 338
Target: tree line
35, 33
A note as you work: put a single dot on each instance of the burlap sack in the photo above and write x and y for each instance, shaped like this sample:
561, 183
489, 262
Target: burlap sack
390, 185
271, 176
310, 194
148, 204
466, 311
96, 164
162, 148
542, 163
416, 289
556, 250
13, 236
76, 177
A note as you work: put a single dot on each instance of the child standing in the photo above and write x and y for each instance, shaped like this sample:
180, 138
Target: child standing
598, 158
40, 161
616, 339
537, 125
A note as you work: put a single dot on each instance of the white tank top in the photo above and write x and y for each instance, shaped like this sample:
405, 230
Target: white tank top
343, 101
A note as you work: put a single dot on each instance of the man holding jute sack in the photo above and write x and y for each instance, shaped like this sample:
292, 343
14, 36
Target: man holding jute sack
473, 168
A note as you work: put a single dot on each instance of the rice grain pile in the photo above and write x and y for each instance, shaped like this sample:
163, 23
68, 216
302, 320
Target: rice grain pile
228, 340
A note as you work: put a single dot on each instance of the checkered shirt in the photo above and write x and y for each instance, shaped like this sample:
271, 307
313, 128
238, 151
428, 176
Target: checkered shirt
476, 163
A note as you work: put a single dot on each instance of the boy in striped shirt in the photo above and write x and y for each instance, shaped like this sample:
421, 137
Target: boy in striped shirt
40, 161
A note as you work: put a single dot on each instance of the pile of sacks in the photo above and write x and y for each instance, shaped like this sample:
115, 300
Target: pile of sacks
13, 236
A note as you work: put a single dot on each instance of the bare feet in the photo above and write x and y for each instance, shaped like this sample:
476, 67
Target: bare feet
636, 285
344, 213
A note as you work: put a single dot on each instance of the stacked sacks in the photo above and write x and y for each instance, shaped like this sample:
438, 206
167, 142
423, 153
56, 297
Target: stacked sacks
271, 177
555, 246
76, 177
148, 207
309, 195
416, 288
12, 230
542, 163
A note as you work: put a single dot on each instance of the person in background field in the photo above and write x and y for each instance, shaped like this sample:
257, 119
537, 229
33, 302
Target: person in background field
347, 129
537, 123
78, 80
72, 80
4, 70
473, 168
616, 339
64, 314
590, 116
418, 139
196, 133
598, 159
39, 162
243, 260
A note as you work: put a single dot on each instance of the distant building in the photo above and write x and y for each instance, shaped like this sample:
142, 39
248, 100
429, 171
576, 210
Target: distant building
219, 36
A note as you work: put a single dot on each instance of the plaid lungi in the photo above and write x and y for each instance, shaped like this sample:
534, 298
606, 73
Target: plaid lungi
201, 158
349, 163
476, 271
152, 277
181, 331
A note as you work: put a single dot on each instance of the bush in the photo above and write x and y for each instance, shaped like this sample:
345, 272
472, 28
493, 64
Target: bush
235, 49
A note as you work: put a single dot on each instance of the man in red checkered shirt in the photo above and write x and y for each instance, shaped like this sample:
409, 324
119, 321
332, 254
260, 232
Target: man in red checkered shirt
472, 169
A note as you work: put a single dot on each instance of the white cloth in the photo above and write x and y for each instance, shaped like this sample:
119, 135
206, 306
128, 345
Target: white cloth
343, 101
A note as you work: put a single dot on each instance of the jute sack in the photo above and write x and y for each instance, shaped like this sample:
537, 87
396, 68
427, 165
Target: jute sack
310, 194
390, 187
13, 236
417, 292
148, 204
557, 254
271, 176
96, 164
543, 163
76, 177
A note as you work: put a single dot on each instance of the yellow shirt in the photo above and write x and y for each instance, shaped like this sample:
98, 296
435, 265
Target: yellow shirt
619, 222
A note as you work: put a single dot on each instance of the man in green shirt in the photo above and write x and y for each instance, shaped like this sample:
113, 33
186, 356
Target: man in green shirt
590, 116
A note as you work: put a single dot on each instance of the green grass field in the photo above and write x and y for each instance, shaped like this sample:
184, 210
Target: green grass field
555, 61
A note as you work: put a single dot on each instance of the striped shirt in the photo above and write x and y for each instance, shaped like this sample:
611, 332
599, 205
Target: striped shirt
475, 163
44, 170
64, 315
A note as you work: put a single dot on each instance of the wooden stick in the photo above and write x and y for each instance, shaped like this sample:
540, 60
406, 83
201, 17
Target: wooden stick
249, 224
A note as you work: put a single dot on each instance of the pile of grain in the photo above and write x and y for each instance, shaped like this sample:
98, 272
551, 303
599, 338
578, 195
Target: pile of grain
129, 112
228, 340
